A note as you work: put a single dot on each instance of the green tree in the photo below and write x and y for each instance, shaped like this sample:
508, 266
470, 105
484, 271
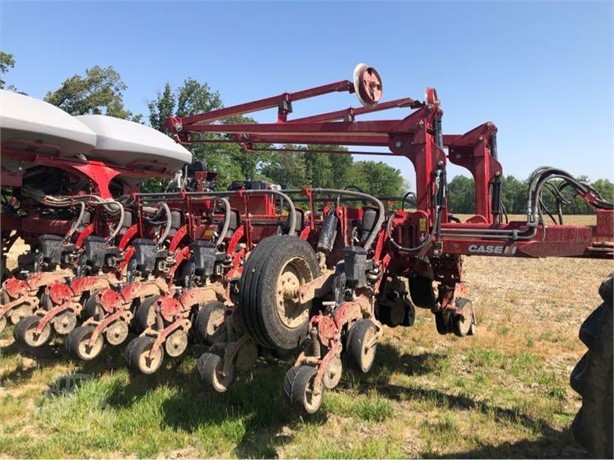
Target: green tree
461, 198
161, 108
325, 170
248, 162
100, 91
287, 169
318, 168
377, 178
605, 189
6, 62
229, 160
341, 168
514, 195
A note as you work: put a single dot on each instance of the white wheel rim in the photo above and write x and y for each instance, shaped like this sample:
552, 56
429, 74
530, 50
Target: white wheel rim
293, 275
88, 352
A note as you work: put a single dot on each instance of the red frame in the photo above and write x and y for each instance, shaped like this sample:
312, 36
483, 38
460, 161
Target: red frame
417, 137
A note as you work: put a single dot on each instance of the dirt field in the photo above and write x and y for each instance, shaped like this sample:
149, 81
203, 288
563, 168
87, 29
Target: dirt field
501, 394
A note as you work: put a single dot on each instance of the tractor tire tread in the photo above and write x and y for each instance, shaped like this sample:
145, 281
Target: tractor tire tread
592, 379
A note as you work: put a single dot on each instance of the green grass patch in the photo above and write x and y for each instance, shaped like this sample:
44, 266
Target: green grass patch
373, 408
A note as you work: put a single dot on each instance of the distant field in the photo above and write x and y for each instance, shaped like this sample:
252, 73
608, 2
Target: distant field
568, 220
501, 394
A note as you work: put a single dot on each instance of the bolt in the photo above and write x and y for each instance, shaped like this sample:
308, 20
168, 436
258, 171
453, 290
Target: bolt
398, 144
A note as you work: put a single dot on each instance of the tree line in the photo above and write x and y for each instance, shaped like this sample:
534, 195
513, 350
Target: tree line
514, 196
100, 91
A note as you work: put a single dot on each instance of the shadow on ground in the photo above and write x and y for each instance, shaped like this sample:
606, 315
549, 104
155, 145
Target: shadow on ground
255, 402
256, 399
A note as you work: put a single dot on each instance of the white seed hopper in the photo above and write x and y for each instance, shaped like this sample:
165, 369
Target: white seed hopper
24, 119
127, 143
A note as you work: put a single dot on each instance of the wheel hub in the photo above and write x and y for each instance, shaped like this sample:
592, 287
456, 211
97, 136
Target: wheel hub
65, 322
291, 311
116, 333
176, 343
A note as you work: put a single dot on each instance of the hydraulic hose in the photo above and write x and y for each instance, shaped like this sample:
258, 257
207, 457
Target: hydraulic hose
224, 194
363, 196
380, 214
77, 222
120, 223
169, 222
438, 200
226, 224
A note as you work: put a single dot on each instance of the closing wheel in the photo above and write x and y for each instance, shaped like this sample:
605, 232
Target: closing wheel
442, 323
362, 344
116, 333
391, 315
410, 314
4, 298
89, 307
146, 313
19, 313
300, 392
25, 332
463, 325
421, 292
209, 322
367, 85
78, 343
65, 322
211, 371
176, 343
140, 358
268, 291
592, 379
332, 374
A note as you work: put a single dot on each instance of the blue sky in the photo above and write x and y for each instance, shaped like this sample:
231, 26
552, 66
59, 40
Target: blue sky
541, 71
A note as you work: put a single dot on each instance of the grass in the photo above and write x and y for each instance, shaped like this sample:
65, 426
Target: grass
501, 393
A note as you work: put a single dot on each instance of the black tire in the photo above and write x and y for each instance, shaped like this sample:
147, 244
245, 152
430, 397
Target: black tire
361, 357
25, 335
207, 324
440, 324
77, 343
4, 298
210, 368
298, 391
145, 313
590, 326
138, 355
391, 308
271, 322
89, 307
421, 292
592, 379
410, 315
